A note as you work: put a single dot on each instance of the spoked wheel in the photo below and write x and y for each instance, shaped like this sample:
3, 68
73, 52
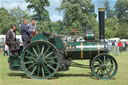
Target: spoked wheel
40, 60
104, 66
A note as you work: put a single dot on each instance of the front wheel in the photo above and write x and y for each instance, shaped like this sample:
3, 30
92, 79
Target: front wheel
104, 66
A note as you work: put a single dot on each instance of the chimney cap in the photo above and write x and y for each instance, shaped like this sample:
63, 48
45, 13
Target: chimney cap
101, 9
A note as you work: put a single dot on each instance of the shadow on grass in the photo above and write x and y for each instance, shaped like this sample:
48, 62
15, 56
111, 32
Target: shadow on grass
90, 75
22, 75
57, 75
74, 64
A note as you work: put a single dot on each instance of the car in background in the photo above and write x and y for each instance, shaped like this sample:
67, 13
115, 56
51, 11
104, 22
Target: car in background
113, 40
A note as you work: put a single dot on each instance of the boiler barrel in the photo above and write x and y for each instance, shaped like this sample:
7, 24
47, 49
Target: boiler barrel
82, 50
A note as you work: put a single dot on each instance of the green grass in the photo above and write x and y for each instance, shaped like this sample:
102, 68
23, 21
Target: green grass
75, 76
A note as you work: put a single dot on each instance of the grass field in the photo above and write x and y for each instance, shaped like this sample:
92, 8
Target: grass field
75, 76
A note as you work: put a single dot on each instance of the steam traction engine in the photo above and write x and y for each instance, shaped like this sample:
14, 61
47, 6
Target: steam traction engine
47, 54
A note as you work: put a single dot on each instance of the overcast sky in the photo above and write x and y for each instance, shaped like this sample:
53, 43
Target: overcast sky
54, 15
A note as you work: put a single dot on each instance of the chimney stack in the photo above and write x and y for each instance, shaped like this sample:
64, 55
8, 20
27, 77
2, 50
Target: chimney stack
101, 24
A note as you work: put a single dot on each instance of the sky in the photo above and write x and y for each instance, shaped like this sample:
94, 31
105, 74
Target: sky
54, 14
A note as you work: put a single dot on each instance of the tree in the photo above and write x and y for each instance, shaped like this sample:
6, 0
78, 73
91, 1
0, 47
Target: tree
6, 20
19, 14
122, 31
40, 13
109, 12
39, 8
121, 9
111, 27
77, 14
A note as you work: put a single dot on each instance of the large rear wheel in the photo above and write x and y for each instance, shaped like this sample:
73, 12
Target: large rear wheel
40, 60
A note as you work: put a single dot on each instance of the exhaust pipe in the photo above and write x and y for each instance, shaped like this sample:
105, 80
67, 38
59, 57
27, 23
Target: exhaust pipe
101, 24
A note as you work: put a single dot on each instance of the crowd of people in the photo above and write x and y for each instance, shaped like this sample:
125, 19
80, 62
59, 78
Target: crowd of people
27, 31
118, 47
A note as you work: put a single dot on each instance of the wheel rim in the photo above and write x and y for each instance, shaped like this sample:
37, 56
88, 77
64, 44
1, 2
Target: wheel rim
104, 66
40, 60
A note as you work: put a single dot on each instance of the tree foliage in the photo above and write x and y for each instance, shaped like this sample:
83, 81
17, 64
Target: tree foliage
13, 16
111, 27
109, 11
19, 14
77, 14
6, 20
116, 19
121, 9
122, 31
39, 8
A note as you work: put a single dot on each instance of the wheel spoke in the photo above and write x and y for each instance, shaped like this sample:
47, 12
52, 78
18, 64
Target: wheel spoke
42, 51
103, 73
28, 62
43, 72
96, 66
108, 72
29, 57
49, 54
31, 66
38, 48
33, 70
30, 53
46, 51
38, 70
100, 60
104, 59
51, 67
35, 51
98, 70
109, 66
107, 61
46, 69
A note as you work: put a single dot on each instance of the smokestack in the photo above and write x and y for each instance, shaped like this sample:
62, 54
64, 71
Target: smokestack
101, 24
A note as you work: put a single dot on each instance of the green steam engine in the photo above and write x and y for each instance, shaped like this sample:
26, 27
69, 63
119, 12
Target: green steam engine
48, 53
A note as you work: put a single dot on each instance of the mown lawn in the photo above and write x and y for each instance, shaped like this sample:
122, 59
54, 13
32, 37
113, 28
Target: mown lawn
75, 76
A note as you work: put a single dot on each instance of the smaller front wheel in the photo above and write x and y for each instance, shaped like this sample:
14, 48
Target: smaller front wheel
104, 66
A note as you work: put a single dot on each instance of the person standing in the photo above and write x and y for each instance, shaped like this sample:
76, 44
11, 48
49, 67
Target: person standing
25, 33
120, 46
5, 47
124, 46
116, 48
32, 26
11, 40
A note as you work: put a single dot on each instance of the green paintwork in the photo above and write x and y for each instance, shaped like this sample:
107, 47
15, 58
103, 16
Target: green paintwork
57, 41
39, 36
85, 46
14, 62
90, 36
40, 60
90, 50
